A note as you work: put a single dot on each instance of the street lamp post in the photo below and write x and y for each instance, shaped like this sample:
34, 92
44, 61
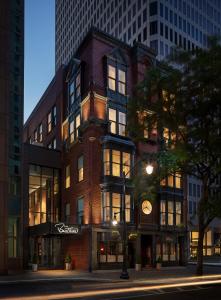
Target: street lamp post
124, 272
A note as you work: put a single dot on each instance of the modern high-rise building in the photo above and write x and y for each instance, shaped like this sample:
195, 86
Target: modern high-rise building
158, 24
11, 122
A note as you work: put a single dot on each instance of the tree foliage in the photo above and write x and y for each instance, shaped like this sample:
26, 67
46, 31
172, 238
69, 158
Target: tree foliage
184, 96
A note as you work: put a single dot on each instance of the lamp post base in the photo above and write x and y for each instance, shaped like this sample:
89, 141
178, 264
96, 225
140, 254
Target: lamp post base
124, 275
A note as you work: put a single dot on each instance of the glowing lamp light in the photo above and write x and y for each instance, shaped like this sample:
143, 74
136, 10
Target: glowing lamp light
114, 222
149, 169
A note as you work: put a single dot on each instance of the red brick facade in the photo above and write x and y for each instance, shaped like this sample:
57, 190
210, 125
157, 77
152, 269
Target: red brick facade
93, 136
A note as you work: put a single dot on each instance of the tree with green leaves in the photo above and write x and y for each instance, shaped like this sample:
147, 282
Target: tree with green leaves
182, 98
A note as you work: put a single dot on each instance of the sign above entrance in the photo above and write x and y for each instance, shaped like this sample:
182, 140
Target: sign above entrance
62, 228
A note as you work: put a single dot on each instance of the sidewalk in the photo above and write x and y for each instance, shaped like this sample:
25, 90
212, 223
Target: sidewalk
148, 276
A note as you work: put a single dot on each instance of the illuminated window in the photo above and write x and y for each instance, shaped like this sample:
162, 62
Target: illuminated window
163, 212
67, 177
170, 181
112, 207
74, 128
126, 164
106, 161
117, 121
127, 208
178, 181
121, 123
121, 82
49, 122
116, 79
77, 124
170, 212
71, 129
112, 78
116, 162
113, 119
80, 168
169, 137
116, 206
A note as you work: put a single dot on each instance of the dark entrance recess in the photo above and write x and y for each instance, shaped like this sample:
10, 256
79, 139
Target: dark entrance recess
146, 251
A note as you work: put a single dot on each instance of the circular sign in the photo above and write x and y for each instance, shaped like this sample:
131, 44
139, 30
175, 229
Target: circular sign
146, 207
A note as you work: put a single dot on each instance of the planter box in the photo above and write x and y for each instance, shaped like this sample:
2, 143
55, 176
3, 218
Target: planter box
138, 267
34, 267
67, 266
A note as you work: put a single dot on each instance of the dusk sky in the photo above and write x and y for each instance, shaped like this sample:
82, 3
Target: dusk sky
39, 50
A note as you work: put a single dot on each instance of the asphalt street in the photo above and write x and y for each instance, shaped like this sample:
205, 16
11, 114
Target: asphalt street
106, 291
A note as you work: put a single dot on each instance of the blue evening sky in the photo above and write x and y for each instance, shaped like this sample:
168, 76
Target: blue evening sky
39, 50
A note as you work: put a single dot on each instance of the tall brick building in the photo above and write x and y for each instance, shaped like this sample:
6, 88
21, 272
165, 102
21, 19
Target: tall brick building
76, 150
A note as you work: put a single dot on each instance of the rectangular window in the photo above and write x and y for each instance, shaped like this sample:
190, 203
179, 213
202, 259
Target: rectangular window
170, 212
71, 131
163, 212
121, 82
40, 133
126, 164
153, 8
127, 208
121, 123
153, 27
67, 177
112, 207
178, 213
112, 78
77, 124
49, 125
118, 121
80, 210
116, 205
106, 207
80, 168
106, 160
113, 119
35, 136
75, 88
51, 119
116, 162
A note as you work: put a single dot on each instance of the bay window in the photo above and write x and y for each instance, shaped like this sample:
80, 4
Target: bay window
75, 88
74, 128
170, 212
112, 207
116, 162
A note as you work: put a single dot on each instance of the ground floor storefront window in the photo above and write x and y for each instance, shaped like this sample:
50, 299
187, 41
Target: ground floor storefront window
48, 251
110, 249
168, 250
211, 243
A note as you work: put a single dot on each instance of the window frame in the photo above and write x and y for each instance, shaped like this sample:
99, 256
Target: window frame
108, 164
80, 166
116, 79
109, 211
